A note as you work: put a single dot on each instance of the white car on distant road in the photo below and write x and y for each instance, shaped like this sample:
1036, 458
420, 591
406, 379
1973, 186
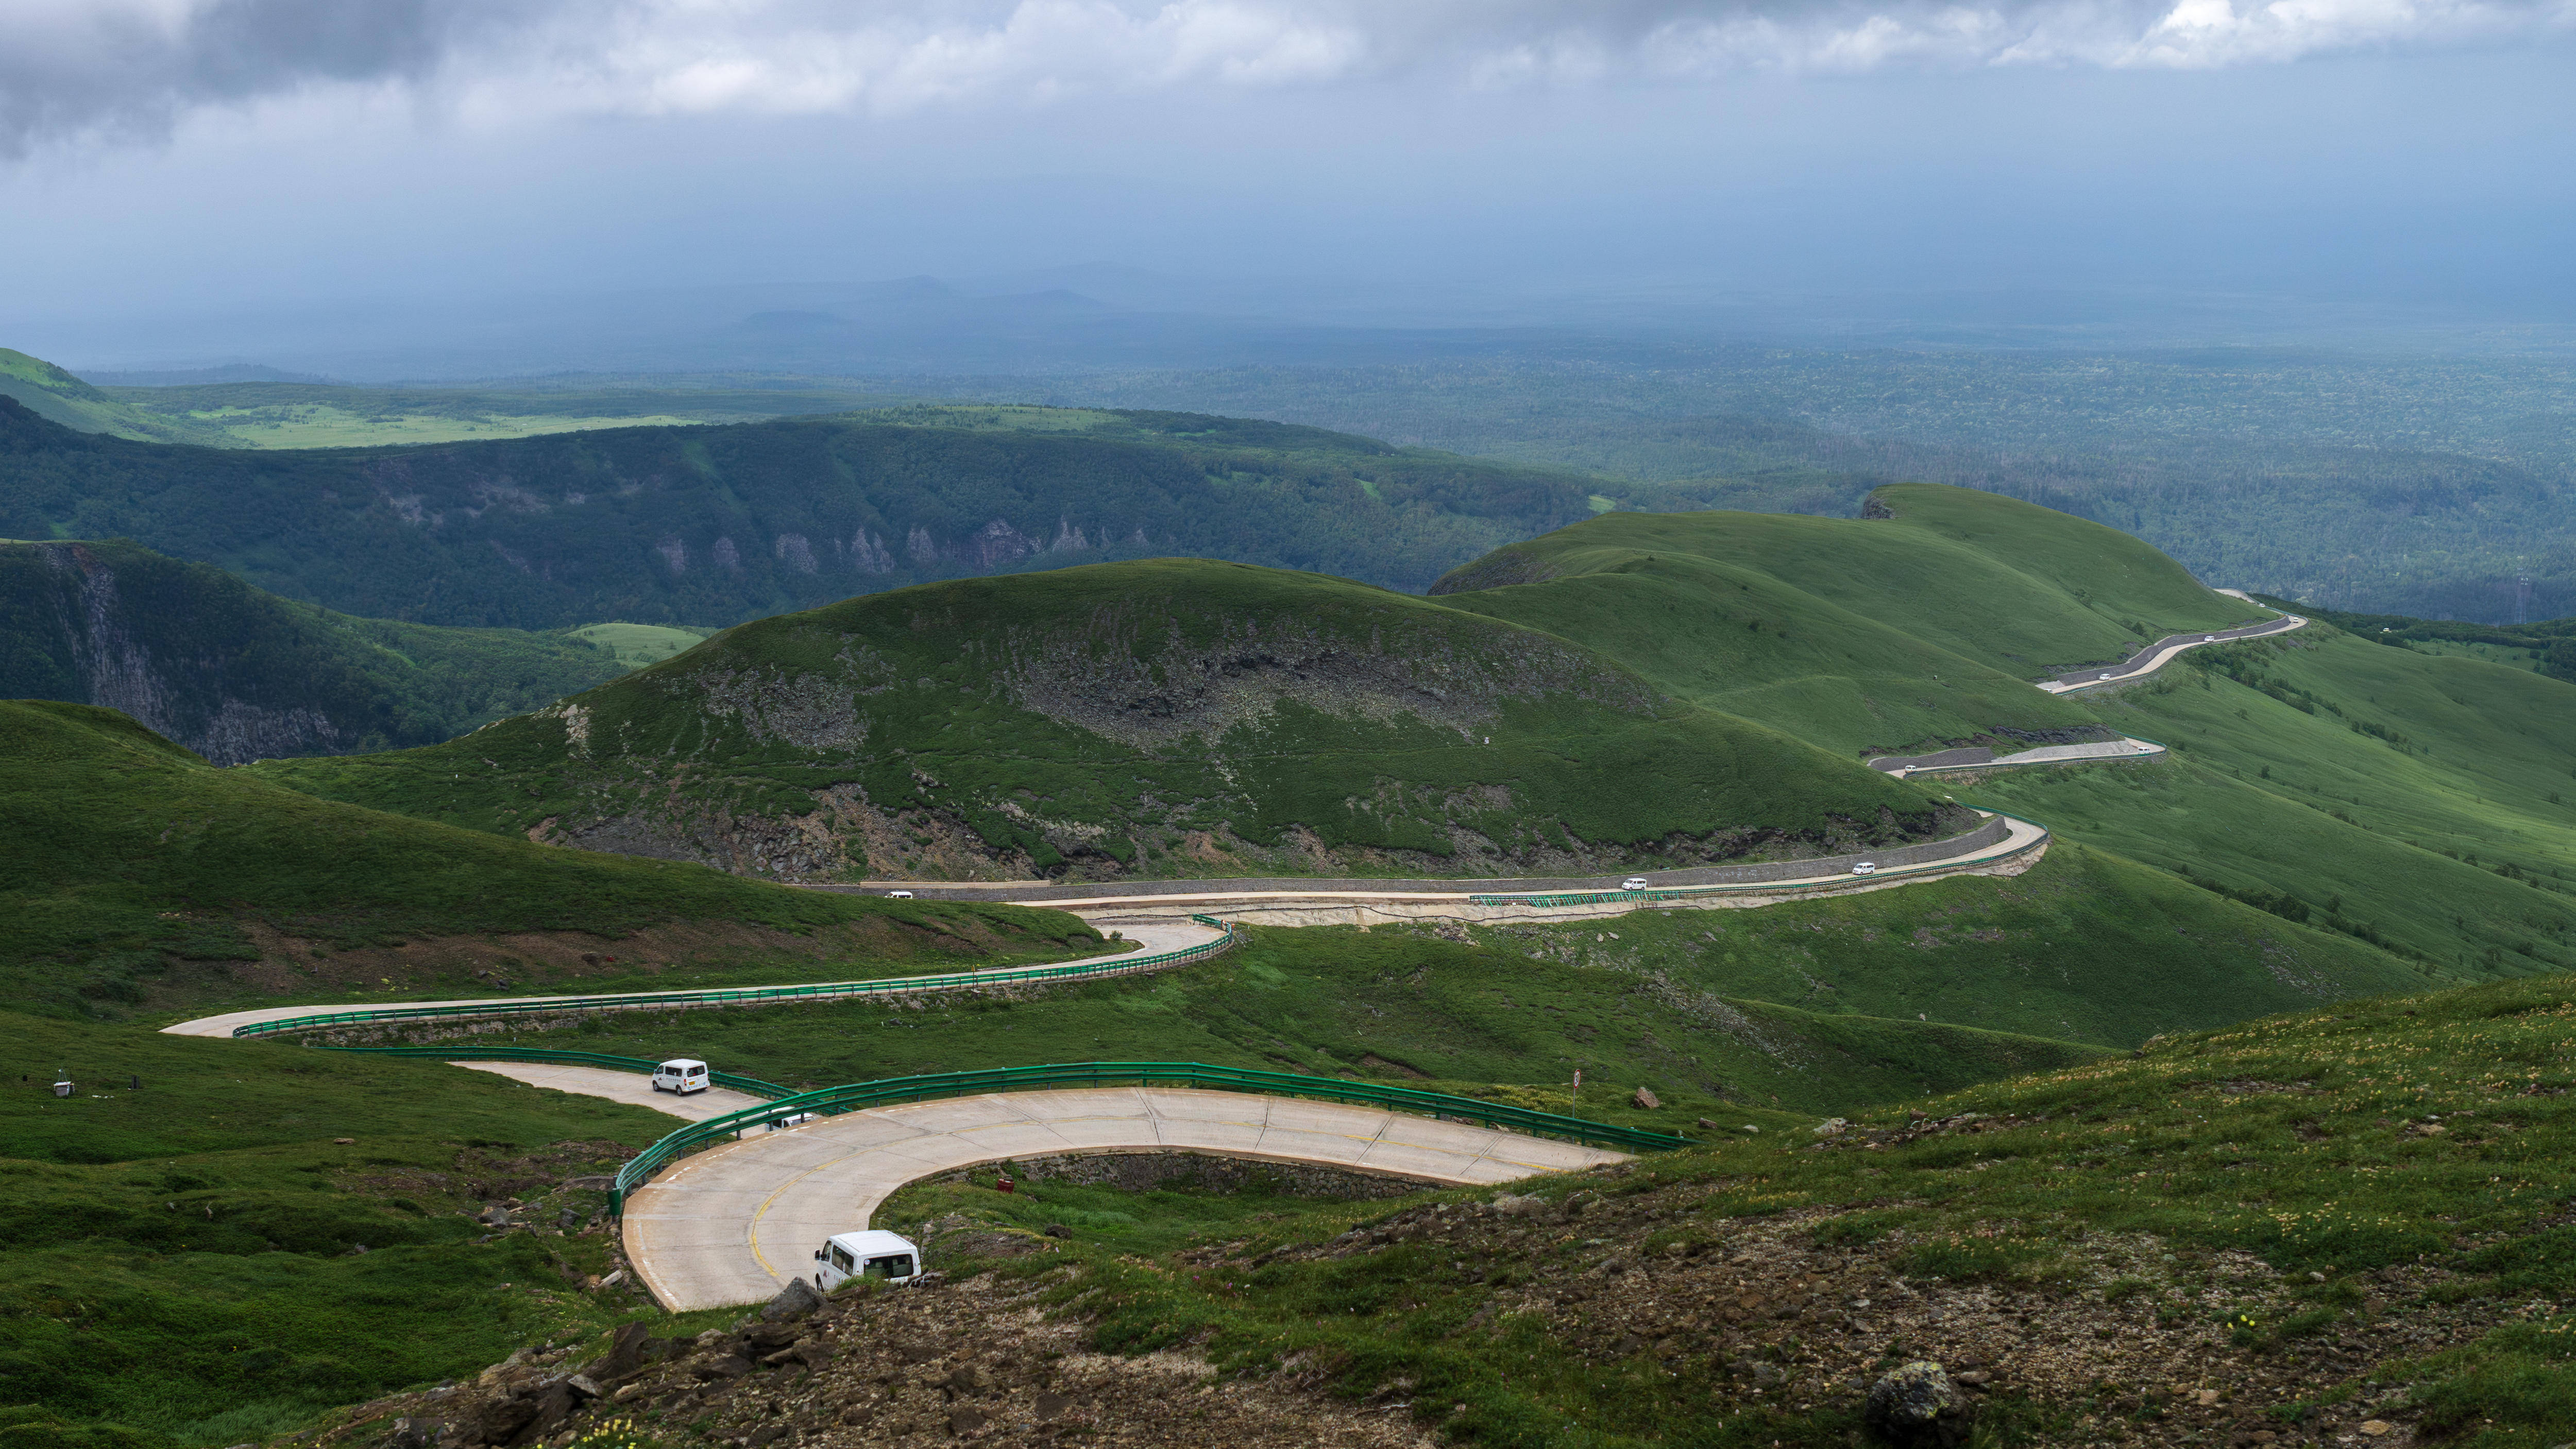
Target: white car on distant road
682, 1075
1633, 883
1866, 867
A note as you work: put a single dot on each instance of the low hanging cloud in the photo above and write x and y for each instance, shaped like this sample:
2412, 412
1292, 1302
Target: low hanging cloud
122, 69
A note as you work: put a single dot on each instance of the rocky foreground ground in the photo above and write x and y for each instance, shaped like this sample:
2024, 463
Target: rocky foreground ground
1793, 1318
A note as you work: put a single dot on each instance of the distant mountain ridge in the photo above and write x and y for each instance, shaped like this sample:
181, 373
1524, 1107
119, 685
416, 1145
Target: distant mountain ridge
716, 524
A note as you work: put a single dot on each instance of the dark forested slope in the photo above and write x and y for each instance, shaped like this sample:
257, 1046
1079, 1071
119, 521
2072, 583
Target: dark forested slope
713, 525
237, 674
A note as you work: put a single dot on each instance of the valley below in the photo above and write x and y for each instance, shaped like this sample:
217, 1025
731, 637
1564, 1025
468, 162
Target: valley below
1466, 961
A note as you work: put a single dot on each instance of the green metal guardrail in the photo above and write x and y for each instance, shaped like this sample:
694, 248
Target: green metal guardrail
467, 1052
728, 996
1684, 893
859, 1095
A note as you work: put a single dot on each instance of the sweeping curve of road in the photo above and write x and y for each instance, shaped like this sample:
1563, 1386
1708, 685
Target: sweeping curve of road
2169, 648
735, 1223
1154, 936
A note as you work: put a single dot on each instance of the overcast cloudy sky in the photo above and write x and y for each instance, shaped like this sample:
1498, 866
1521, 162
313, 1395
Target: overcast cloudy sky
179, 159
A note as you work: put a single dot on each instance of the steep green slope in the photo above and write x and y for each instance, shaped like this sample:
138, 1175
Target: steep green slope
57, 396
1916, 625
236, 674
258, 1231
2020, 588
689, 525
2339, 1225
124, 859
1175, 717
2374, 790
2421, 797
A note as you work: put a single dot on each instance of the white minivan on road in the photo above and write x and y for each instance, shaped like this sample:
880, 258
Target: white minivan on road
874, 1253
681, 1074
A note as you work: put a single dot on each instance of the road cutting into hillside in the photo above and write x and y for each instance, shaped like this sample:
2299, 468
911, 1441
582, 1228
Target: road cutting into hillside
1151, 936
1156, 914
2164, 651
733, 1224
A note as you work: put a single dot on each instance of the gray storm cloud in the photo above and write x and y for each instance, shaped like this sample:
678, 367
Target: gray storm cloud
132, 68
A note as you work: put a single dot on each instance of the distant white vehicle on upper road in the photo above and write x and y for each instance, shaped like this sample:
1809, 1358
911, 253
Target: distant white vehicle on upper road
1866, 867
1633, 883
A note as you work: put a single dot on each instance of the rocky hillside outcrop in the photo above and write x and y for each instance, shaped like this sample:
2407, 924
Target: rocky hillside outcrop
237, 674
1171, 718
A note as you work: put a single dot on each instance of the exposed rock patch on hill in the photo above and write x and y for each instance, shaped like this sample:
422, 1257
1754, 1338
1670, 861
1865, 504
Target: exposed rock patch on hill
1168, 718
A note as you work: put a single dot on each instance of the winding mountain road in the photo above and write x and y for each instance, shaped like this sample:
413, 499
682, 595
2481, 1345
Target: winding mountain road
2165, 650
732, 1224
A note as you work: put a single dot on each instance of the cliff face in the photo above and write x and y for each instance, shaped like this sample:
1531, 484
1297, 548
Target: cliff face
73, 634
237, 674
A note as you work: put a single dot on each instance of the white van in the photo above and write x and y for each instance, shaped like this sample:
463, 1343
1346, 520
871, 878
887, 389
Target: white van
898, 895
1866, 867
1633, 883
682, 1075
874, 1253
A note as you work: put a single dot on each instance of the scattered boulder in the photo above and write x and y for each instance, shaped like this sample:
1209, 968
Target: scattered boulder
1058, 1230
1520, 1205
628, 1352
1646, 1099
1831, 1127
1918, 1407
794, 1301
723, 1366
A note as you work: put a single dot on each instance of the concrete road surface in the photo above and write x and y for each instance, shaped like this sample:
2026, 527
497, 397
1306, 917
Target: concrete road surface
733, 1224
2163, 652
633, 1088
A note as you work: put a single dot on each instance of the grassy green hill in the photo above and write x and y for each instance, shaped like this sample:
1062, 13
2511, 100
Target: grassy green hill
2320, 1227
1173, 717
717, 524
2422, 798
134, 876
2409, 799
237, 674
182, 1263
1919, 624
